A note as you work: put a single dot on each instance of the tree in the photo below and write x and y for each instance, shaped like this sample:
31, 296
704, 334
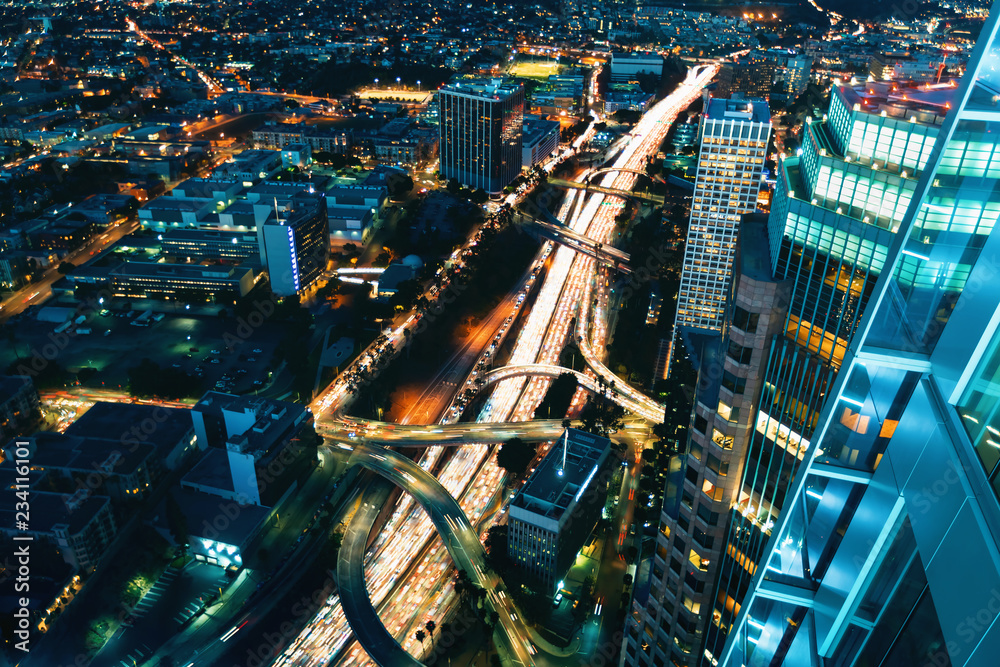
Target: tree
420, 635
399, 185
431, 626
479, 196
454, 187
66, 267
514, 456
627, 580
177, 522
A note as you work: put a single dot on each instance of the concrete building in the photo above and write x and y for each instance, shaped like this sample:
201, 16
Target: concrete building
262, 440
80, 525
752, 77
481, 133
734, 138
295, 248
885, 547
154, 280
626, 66
541, 139
801, 295
557, 508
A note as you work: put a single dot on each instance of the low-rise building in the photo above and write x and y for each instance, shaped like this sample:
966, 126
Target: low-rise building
19, 405
540, 139
267, 443
555, 511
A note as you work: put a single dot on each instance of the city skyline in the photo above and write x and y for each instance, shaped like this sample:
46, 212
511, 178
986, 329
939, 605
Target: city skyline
510, 334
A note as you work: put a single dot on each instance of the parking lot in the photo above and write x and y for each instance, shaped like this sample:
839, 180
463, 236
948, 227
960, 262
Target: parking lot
224, 355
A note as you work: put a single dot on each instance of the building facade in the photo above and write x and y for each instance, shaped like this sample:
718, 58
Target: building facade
886, 548
802, 285
19, 405
481, 128
734, 139
295, 249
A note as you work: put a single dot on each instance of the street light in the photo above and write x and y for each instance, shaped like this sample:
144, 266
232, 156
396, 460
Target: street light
397, 81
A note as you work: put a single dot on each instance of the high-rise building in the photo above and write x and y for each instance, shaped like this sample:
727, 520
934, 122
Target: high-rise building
752, 77
734, 138
885, 548
295, 244
481, 127
557, 508
801, 286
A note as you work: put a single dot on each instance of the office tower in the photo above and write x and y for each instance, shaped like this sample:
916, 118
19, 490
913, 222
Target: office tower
295, 244
557, 508
480, 125
734, 138
752, 77
801, 286
886, 548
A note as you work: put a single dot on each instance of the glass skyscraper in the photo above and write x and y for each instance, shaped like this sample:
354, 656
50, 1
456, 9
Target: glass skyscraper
885, 551
842, 210
481, 129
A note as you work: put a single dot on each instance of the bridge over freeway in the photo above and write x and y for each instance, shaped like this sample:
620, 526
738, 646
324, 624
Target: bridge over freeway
589, 185
559, 233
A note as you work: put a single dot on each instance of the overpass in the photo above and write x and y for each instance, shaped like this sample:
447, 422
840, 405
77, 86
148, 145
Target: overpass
559, 233
589, 187
355, 601
461, 540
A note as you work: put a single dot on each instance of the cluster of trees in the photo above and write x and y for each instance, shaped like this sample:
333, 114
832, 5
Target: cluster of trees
515, 456
601, 415
557, 398
477, 196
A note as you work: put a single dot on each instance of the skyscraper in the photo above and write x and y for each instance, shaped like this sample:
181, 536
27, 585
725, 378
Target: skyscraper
735, 134
800, 289
480, 125
885, 551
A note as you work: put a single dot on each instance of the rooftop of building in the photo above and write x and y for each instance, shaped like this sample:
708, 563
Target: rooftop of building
927, 103
190, 271
157, 425
67, 452
274, 419
202, 512
738, 108
537, 128
754, 250
636, 57
556, 485
212, 471
495, 88
48, 509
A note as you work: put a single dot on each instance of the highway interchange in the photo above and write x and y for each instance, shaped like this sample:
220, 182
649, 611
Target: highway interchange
405, 596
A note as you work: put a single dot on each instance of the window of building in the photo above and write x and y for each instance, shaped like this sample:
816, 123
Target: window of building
738, 353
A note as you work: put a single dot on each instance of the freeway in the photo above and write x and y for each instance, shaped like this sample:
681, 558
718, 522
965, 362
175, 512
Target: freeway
461, 539
471, 474
399, 435
358, 608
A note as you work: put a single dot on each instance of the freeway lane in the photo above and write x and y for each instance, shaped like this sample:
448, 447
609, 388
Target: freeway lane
358, 609
459, 536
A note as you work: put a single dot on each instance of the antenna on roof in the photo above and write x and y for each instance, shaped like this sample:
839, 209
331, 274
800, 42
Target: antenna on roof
276, 218
565, 446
